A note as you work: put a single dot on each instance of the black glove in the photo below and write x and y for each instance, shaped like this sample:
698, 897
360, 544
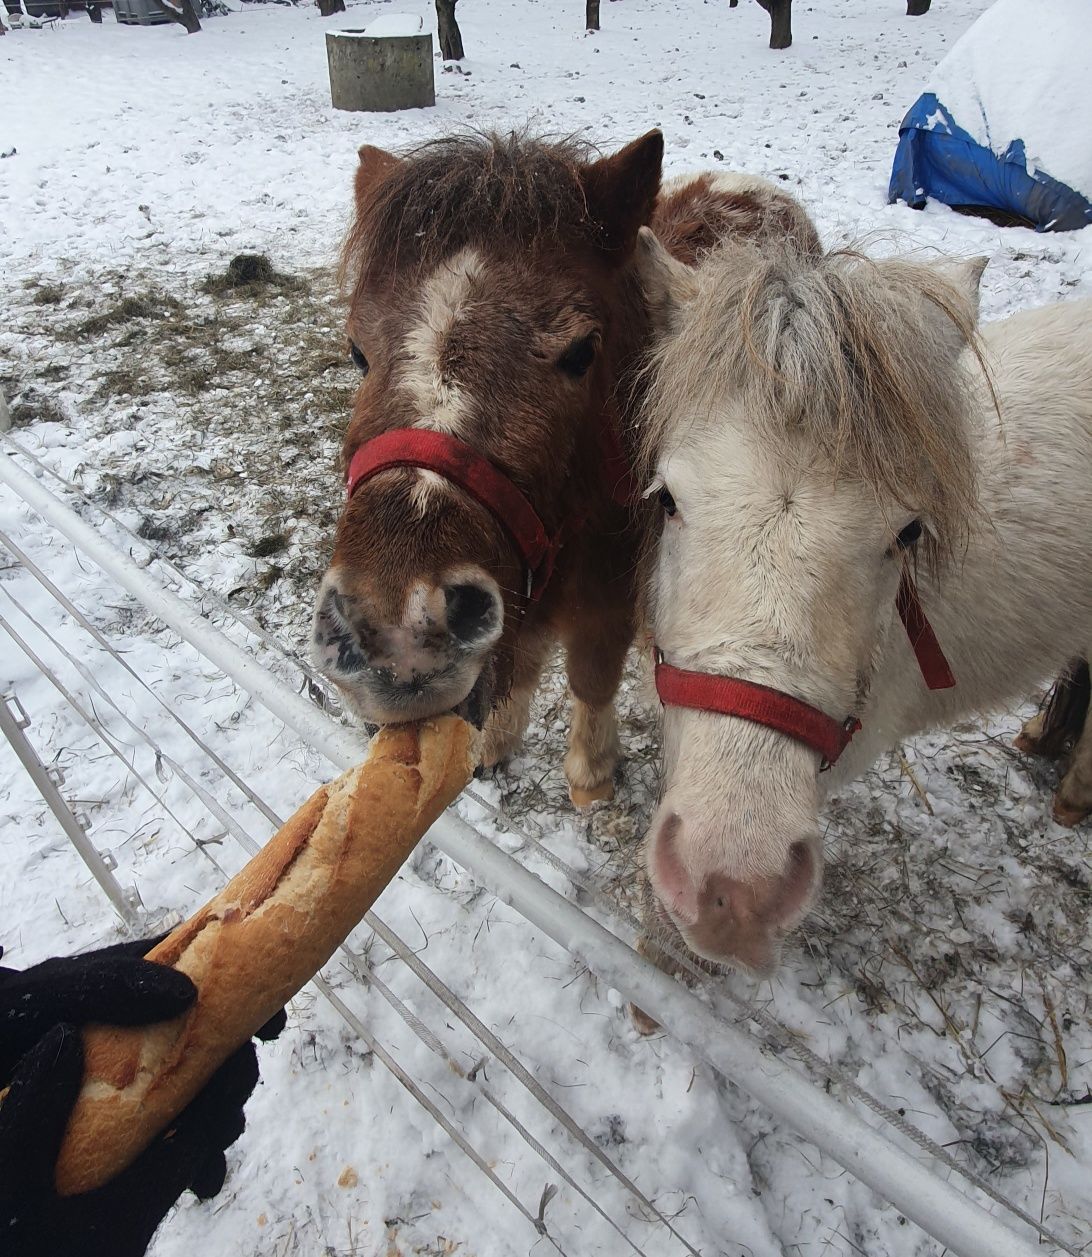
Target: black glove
41, 1052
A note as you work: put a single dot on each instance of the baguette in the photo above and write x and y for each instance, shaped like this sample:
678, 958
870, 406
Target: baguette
257, 942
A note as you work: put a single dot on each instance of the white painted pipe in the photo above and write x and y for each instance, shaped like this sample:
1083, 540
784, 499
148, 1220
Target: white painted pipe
947, 1214
55, 801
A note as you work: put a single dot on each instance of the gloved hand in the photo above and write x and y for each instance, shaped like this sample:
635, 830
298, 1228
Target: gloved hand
41, 1055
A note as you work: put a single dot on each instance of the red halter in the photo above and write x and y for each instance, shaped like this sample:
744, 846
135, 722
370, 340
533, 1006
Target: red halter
489, 487
732, 696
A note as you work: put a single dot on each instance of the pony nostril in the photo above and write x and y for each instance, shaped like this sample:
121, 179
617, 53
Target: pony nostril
471, 612
337, 640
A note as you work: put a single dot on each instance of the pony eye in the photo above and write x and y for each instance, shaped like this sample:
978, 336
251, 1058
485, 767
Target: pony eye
359, 361
909, 536
668, 503
579, 356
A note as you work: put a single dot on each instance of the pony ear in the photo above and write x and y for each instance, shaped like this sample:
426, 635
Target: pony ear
375, 165
965, 275
668, 283
621, 191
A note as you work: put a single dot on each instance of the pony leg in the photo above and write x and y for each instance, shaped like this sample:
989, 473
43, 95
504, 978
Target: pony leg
1053, 730
594, 751
507, 722
1073, 802
595, 662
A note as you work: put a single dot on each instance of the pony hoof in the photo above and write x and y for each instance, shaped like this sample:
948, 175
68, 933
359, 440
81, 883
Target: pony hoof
1028, 744
642, 1022
1068, 815
585, 796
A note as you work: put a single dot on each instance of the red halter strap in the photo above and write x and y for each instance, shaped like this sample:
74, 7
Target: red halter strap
732, 696
487, 485
935, 669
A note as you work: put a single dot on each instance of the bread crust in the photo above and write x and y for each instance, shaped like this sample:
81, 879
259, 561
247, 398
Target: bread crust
257, 942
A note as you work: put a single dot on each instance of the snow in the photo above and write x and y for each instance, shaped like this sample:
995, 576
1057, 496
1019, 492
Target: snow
395, 25
948, 967
1024, 72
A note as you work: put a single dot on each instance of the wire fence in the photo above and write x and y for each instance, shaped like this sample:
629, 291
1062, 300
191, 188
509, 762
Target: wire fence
288, 665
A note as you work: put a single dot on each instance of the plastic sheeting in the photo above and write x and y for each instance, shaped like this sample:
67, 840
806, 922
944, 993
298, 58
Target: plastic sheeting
1004, 127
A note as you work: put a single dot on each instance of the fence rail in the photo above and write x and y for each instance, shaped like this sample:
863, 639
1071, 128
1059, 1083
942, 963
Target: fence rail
947, 1214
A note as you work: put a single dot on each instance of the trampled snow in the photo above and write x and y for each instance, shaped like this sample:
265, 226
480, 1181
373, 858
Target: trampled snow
947, 969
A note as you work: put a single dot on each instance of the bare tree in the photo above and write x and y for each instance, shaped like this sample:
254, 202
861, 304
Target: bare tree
451, 38
780, 12
327, 8
915, 8
183, 11
591, 15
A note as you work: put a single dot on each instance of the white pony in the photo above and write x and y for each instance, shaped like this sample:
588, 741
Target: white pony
823, 431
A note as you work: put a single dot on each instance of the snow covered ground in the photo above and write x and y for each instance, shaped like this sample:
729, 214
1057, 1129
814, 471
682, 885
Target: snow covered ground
947, 970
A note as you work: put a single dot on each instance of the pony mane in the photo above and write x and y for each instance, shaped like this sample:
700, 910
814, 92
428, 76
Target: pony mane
465, 190
844, 349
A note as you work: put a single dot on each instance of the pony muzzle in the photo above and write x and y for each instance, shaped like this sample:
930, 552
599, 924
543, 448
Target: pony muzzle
723, 911
434, 657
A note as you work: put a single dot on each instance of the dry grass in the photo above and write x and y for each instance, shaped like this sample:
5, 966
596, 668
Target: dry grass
237, 388
248, 275
33, 405
134, 308
47, 295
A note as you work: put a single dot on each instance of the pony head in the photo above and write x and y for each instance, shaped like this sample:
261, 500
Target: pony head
806, 433
488, 277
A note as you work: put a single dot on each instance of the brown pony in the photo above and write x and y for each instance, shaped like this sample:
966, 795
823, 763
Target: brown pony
497, 315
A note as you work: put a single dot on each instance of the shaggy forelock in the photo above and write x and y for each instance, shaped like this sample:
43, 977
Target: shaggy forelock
845, 350
467, 190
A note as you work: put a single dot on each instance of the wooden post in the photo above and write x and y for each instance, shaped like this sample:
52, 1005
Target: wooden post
380, 73
591, 15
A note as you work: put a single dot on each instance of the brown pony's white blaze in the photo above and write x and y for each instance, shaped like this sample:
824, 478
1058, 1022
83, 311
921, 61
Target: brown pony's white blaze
496, 303
447, 297
822, 431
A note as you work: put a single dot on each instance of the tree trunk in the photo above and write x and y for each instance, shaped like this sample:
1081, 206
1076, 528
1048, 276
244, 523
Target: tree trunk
327, 8
591, 15
915, 8
451, 38
780, 12
733, 4
184, 12
94, 12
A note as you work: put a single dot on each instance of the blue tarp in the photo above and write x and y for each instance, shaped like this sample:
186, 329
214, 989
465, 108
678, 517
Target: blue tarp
937, 158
